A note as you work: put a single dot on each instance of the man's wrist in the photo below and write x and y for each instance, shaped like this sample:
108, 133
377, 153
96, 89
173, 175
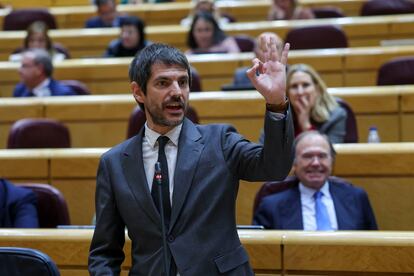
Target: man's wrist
278, 108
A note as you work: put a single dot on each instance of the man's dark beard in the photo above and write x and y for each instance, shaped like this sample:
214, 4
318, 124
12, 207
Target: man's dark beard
162, 121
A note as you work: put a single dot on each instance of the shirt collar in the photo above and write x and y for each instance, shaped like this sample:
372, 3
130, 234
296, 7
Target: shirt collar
43, 84
309, 192
173, 135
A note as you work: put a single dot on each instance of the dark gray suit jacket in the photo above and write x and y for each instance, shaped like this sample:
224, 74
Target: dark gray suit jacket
284, 210
202, 237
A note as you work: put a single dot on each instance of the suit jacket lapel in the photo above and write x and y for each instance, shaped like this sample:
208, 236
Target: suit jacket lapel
189, 152
134, 172
342, 202
291, 210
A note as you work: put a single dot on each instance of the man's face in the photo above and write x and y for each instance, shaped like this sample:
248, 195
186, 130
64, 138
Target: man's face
313, 161
166, 99
30, 72
107, 12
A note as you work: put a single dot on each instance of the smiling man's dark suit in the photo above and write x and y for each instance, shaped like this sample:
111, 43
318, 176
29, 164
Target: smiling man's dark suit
284, 211
202, 237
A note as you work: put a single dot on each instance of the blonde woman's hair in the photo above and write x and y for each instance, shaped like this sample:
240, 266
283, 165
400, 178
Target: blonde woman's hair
325, 102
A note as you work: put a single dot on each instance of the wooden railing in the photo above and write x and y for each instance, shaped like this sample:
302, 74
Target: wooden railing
361, 31
384, 170
270, 252
102, 121
338, 67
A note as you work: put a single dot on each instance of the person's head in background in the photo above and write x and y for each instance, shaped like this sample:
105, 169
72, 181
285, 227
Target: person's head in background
106, 10
204, 32
288, 9
314, 158
306, 89
132, 32
36, 66
265, 37
37, 36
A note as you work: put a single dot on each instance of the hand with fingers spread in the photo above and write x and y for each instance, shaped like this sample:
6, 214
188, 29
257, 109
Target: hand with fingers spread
269, 75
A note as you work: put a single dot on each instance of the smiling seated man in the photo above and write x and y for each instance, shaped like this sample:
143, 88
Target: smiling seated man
316, 201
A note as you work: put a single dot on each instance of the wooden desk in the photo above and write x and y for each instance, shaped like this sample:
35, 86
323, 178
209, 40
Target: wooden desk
348, 253
383, 170
270, 252
74, 13
361, 31
102, 120
338, 67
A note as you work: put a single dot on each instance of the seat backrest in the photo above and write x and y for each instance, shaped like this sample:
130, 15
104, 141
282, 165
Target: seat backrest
351, 128
383, 7
138, 119
273, 187
52, 209
396, 71
195, 81
17, 261
21, 19
38, 133
328, 12
245, 43
317, 37
79, 87
61, 49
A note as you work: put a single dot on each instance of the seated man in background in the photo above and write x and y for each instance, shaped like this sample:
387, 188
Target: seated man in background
240, 78
316, 201
107, 15
17, 206
36, 77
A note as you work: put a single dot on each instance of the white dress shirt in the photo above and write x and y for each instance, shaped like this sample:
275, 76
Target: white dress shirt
308, 206
150, 154
42, 90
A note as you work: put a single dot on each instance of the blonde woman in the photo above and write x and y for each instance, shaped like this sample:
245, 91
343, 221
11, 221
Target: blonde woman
313, 107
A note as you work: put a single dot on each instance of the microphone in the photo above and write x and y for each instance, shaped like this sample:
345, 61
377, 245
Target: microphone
158, 180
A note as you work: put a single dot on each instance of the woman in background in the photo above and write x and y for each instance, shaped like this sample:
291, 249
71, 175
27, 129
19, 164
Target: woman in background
131, 40
205, 36
205, 6
288, 9
37, 37
313, 107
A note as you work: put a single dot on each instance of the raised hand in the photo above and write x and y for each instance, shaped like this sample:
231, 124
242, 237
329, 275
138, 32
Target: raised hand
269, 75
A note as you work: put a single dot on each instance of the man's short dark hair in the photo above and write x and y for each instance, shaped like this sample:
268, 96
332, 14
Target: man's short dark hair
157, 53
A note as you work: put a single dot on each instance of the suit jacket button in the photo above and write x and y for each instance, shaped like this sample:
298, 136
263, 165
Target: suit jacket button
170, 238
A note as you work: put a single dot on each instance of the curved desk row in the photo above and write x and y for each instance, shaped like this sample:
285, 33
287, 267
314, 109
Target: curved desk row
361, 31
102, 121
384, 170
270, 252
338, 67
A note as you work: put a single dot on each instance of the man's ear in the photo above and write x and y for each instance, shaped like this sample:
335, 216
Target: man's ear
137, 92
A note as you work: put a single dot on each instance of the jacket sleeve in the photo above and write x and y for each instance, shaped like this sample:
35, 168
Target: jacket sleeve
106, 252
267, 162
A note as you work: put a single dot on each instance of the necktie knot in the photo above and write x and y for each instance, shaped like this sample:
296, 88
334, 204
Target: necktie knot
318, 195
162, 141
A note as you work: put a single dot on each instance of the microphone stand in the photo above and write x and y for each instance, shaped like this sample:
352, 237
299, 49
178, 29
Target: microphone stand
158, 179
